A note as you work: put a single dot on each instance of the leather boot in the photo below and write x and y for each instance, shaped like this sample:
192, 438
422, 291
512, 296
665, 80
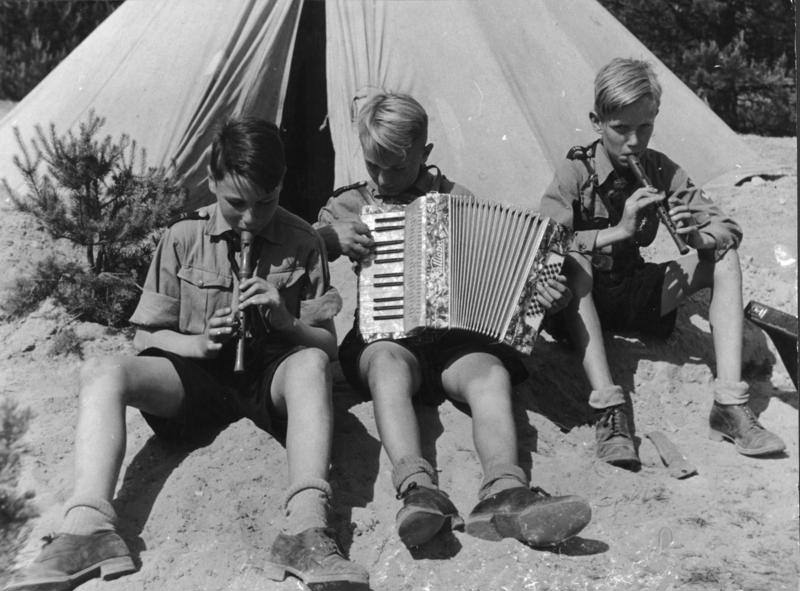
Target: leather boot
67, 560
737, 424
529, 515
314, 557
424, 513
614, 441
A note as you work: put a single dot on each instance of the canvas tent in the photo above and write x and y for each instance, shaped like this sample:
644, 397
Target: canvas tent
507, 84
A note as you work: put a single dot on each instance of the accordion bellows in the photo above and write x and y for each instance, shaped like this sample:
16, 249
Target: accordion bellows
448, 262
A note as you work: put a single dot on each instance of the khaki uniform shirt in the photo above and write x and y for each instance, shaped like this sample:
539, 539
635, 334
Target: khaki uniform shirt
589, 195
346, 204
190, 276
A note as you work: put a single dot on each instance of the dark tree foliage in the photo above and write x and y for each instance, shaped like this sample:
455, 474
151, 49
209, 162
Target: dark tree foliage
737, 55
35, 35
99, 195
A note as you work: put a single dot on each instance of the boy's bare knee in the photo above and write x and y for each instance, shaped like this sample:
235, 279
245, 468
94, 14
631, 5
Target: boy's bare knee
308, 364
390, 360
477, 375
493, 379
102, 368
104, 375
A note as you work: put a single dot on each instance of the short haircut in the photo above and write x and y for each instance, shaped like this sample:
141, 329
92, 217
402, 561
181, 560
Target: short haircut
251, 148
622, 82
389, 124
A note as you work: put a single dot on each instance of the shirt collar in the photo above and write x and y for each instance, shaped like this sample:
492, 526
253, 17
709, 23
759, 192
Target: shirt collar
427, 180
602, 163
217, 226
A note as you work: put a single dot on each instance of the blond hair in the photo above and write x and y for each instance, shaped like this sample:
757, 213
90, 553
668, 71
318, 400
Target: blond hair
389, 124
622, 82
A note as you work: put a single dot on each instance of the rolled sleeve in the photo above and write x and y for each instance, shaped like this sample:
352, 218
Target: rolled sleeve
558, 203
159, 304
156, 310
320, 302
346, 206
708, 217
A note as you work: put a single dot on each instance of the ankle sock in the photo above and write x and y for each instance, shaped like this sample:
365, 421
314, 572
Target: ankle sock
84, 516
307, 505
501, 477
413, 470
730, 393
607, 396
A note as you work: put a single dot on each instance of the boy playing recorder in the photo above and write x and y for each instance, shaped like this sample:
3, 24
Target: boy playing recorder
183, 379
596, 193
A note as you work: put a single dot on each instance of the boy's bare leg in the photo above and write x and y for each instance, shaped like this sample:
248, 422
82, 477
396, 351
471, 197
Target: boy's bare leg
87, 542
108, 386
507, 508
583, 324
481, 381
731, 417
393, 376
301, 391
614, 442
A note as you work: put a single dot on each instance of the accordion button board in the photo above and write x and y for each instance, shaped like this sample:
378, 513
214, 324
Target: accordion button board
457, 263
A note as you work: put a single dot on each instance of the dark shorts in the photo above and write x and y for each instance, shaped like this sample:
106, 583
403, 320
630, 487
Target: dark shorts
433, 356
627, 302
215, 397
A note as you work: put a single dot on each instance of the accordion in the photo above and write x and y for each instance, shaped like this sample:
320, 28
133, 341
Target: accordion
457, 263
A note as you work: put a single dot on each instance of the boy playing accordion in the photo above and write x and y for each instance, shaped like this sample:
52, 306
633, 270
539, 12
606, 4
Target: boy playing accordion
393, 133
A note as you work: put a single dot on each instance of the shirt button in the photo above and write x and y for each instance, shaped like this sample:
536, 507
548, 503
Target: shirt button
200, 283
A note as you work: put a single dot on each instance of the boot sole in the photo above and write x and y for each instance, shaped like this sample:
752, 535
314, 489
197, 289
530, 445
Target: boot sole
279, 572
107, 569
415, 527
715, 435
548, 523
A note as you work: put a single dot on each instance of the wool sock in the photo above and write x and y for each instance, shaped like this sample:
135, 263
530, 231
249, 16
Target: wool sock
307, 505
413, 470
501, 477
84, 516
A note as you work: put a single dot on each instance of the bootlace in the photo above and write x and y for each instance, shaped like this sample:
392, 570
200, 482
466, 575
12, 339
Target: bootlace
612, 419
750, 417
403, 494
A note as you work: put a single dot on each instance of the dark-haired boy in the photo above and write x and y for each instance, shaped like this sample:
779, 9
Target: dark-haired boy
183, 380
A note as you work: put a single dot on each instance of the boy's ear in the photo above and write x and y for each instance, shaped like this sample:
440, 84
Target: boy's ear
597, 124
427, 151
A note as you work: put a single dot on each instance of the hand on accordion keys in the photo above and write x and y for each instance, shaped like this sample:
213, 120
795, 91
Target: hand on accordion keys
553, 294
354, 237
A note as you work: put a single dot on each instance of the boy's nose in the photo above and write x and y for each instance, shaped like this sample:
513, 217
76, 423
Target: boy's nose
248, 217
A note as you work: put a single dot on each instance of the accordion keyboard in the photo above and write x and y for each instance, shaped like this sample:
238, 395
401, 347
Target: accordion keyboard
381, 298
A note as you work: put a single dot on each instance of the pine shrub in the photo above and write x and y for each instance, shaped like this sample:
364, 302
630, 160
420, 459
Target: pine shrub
99, 195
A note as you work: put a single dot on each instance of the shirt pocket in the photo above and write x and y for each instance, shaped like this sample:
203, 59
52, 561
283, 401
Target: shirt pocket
203, 292
290, 284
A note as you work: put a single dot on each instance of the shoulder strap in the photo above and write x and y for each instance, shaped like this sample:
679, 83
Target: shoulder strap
346, 188
586, 155
197, 214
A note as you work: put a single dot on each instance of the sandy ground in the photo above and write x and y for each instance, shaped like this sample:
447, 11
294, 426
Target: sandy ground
203, 519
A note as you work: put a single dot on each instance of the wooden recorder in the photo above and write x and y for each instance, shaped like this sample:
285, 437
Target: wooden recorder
661, 209
245, 271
